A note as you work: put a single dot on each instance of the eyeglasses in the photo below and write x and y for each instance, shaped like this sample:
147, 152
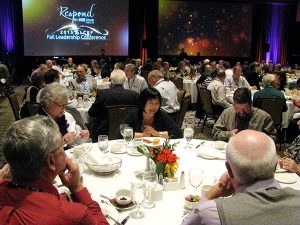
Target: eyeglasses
60, 105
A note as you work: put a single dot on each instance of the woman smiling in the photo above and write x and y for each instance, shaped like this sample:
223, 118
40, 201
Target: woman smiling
149, 120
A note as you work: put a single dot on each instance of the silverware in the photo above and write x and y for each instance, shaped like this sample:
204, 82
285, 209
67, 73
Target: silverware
106, 197
125, 220
111, 218
200, 144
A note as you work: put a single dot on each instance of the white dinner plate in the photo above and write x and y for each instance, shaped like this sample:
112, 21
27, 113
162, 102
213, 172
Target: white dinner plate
108, 209
286, 178
133, 152
151, 139
210, 153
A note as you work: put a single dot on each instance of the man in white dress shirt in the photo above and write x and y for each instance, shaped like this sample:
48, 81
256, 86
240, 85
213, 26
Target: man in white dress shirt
236, 80
218, 92
134, 81
168, 92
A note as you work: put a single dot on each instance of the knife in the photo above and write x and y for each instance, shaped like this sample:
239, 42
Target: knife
125, 220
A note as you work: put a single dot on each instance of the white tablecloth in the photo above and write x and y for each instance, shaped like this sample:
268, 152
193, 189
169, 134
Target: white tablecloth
170, 209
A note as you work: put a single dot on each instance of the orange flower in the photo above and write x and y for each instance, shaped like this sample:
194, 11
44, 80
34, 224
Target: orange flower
172, 158
162, 158
151, 151
166, 151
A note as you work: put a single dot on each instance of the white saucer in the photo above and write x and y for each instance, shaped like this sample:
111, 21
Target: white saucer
286, 178
133, 152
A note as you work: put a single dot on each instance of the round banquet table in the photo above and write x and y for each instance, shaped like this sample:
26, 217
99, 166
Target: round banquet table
170, 209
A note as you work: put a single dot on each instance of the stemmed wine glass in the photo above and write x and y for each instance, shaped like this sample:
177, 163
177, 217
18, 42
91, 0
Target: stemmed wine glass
150, 179
138, 191
188, 135
196, 178
103, 143
122, 127
81, 150
128, 134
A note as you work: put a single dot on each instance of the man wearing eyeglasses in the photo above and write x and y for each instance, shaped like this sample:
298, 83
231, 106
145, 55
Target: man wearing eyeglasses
33, 148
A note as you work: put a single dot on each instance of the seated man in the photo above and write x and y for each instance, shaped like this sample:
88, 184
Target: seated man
236, 80
134, 81
218, 92
109, 97
70, 65
205, 74
83, 83
34, 150
257, 197
269, 91
168, 92
242, 116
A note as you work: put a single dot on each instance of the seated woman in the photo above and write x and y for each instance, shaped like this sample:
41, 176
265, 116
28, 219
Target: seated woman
292, 160
149, 120
37, 83
54, 98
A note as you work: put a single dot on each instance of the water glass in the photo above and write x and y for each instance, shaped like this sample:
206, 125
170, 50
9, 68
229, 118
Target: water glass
188, 135
196, 178
138, 191
122, 127
128, 134
150, 179
103, 143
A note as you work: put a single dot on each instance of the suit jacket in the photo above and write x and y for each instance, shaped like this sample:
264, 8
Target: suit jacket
108, 97
75, 83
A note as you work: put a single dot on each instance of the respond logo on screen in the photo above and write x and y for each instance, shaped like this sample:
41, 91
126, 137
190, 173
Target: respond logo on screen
81, 27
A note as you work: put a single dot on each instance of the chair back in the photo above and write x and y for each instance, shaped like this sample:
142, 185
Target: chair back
116, 115
178, 82
180, 96
273, 106
186, 101
206, 99
14, 103
33, 108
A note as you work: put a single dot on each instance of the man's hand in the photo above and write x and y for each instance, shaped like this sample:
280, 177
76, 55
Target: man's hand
290, 165
72, 179
234, 132
4, 172
222, 189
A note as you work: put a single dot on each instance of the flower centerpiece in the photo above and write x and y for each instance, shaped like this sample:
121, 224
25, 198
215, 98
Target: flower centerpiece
165, 160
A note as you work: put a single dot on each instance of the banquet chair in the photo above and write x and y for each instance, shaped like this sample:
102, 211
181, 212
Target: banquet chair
178, 82
206, 101
274, 106
180, 96
185, 103
14, 103
32, 108
116, 115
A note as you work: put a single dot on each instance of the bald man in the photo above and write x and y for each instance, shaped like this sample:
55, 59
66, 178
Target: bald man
257, 196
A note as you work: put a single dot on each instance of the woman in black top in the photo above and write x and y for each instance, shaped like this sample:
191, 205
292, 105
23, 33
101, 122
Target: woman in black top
149, 120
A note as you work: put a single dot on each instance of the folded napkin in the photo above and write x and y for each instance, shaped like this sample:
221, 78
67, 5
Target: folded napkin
96, 158
210, 153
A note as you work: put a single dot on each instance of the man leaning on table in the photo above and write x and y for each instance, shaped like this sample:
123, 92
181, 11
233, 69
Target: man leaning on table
257, 196
34, 150
242, 116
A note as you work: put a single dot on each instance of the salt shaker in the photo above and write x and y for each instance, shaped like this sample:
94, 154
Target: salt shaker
160, 179
182, 180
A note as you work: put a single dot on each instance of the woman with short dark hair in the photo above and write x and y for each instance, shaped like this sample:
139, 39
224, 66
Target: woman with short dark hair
149, 120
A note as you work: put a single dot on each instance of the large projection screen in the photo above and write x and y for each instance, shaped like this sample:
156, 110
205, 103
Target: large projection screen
208, 28
75, 27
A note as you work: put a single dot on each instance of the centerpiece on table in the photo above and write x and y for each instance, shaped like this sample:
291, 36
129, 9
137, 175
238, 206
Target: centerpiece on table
165, 160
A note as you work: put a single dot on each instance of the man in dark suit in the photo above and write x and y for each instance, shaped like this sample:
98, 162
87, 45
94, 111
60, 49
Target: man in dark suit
98, 123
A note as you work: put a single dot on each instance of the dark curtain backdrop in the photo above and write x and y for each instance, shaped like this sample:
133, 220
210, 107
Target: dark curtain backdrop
11, 32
